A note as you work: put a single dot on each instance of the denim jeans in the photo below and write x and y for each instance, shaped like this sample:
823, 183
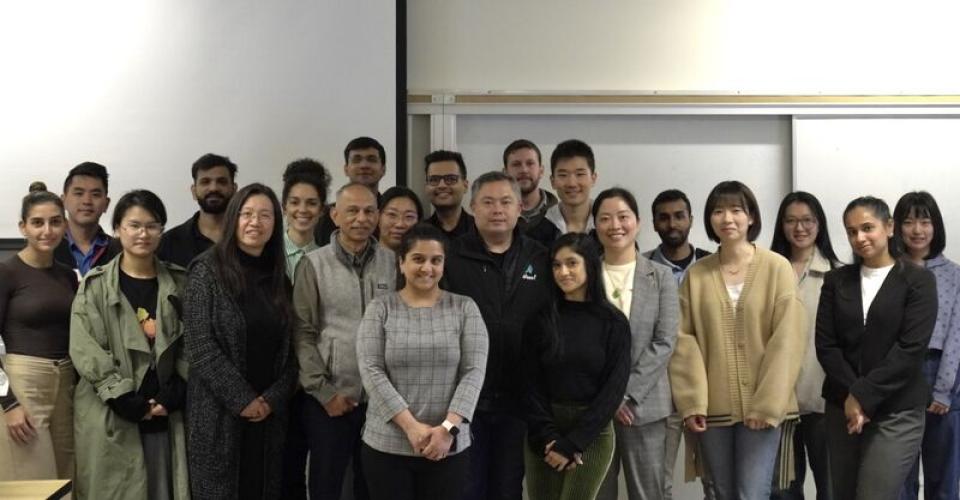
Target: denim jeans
741, 461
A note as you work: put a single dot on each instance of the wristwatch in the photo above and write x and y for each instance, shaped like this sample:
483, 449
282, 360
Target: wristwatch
450, 427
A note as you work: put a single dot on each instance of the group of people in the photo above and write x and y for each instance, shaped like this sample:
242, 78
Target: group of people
268, 345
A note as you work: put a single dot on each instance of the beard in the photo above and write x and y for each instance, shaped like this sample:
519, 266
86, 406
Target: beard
213, 203
674, 239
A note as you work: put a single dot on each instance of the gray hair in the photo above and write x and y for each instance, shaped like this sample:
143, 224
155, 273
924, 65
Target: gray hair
352, 184
494, 176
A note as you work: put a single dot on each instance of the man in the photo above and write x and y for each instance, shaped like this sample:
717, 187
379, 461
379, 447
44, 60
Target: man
446, 184
522, 161
572, 174
509, 277
672, 218
213, 186
364, 162
333, 286
85, 244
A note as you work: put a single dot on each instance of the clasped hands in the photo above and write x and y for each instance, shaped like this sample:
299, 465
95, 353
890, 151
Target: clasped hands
558, 461
856, 418
433, 443
257, 410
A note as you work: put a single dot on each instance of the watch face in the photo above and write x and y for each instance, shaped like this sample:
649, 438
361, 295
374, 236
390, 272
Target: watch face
454, 430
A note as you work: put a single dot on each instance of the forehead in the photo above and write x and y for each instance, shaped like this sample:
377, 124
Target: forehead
86, 182
44, 210
614, 204
136, 212
365, 152
860, 215
257, 202
798, 208
495, 189
426, 247
522, 154
357, 195
572, 164
304, 190
401, 203
564, 253
443, 168
729, 200
217, 172
672, 206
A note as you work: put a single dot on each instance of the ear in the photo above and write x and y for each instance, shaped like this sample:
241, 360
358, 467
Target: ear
23, 228
193, 191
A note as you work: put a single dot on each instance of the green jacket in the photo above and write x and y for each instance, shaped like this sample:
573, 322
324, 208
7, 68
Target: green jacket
112, 356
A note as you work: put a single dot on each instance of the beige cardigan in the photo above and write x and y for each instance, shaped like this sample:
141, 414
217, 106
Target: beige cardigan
735, 364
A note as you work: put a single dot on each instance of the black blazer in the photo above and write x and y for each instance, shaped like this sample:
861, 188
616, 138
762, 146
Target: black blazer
880, 363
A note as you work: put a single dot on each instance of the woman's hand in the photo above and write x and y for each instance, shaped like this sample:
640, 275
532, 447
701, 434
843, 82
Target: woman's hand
157, 409
556, 460
256, 410
856, 419
625, 413
20, 425
938, 408
438, 445
756, 424
696, 423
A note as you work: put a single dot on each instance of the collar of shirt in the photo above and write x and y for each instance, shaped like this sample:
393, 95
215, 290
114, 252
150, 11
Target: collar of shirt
356, 261
292, 248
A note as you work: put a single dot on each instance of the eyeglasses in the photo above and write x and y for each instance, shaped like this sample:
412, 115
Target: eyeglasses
449, 179
261, 216
136, 227
807, 222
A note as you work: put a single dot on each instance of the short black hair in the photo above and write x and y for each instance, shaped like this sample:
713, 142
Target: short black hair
144, 199
401, 192
668, 196
919, 204
615, 192
732, 193
518, 145
365, 143
572, 148
210, 160
782, 246
444, 155
87, 169
306, 171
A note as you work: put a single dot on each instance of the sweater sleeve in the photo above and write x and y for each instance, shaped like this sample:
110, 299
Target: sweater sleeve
474, 347
943, 386
385, 401
8, 401
538, 413
604, 405
688, 372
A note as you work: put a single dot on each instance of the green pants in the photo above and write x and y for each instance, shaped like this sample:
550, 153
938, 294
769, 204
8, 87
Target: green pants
583, 482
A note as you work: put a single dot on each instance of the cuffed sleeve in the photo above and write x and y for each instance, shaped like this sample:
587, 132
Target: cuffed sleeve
474, 347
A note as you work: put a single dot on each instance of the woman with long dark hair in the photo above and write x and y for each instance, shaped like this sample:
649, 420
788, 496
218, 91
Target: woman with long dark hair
35, 297
740, 347
802, 237
920, 234
126, 343
577, 361
238, 319
874, 322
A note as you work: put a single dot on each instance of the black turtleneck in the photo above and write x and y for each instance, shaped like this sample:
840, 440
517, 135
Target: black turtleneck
264, 332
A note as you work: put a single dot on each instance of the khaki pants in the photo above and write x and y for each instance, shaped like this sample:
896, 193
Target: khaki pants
44, 388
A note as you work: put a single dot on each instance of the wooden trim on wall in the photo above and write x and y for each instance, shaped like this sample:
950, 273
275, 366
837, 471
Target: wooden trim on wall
694, 99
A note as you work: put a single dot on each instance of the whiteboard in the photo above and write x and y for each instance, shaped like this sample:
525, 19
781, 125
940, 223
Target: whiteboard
649, 154
147, 87
840, 158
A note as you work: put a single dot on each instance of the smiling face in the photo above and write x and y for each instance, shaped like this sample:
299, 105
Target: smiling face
396, 218
85, 200
570, 274
731, 223
303, 207
439, 192
43, 227
255, 224
495, 209
355, 213
422, 265
868, 235
917, 232
212, 189
524, 166
800, 226
139, 232
572, 179
616, 224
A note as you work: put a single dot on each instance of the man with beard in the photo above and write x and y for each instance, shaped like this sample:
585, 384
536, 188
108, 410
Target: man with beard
213, 186
671, 220
522, 161
446, 184
364, 162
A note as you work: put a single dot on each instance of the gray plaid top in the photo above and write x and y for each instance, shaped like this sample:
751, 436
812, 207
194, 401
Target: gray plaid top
430, 360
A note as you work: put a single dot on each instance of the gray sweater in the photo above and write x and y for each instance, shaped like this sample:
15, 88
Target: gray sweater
331, 292
429, 360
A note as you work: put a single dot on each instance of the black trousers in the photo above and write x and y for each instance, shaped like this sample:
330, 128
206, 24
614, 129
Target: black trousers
496, 456
399, 477
809, 442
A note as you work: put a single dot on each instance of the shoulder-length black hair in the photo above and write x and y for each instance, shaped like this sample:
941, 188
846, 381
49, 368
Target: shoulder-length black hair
226, 252
919, 204
780, 243
732, 193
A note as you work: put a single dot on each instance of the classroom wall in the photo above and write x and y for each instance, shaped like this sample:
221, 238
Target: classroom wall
750, 46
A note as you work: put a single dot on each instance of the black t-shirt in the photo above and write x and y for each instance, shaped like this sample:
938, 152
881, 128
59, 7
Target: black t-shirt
181, 244
682, 263
141, 295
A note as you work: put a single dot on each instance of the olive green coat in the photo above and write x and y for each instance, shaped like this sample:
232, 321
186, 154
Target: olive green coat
112, 356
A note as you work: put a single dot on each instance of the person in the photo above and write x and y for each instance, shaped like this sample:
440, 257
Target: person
213, 185
333, 288
522, 161
507, 275
36, 293
85, 244
920, 236
237, 320
364, 162
672, 219
400, 210
801, 236
874, 323
422, 353
739, 349
305, 185
646, 293
446, 176
573, 174
126, 341
577, 359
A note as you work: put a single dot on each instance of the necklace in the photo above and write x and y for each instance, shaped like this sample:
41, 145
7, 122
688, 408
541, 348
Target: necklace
619, 284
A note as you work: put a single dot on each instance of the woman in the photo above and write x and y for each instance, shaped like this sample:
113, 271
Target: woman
740, 346
802, 237
646, 293
35, 298
873, 325
400, 210
920, 234
237, 321
125, 340
305, 185
578, 362
422, 353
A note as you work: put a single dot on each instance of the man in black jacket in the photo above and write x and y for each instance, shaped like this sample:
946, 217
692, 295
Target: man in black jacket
508, 275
